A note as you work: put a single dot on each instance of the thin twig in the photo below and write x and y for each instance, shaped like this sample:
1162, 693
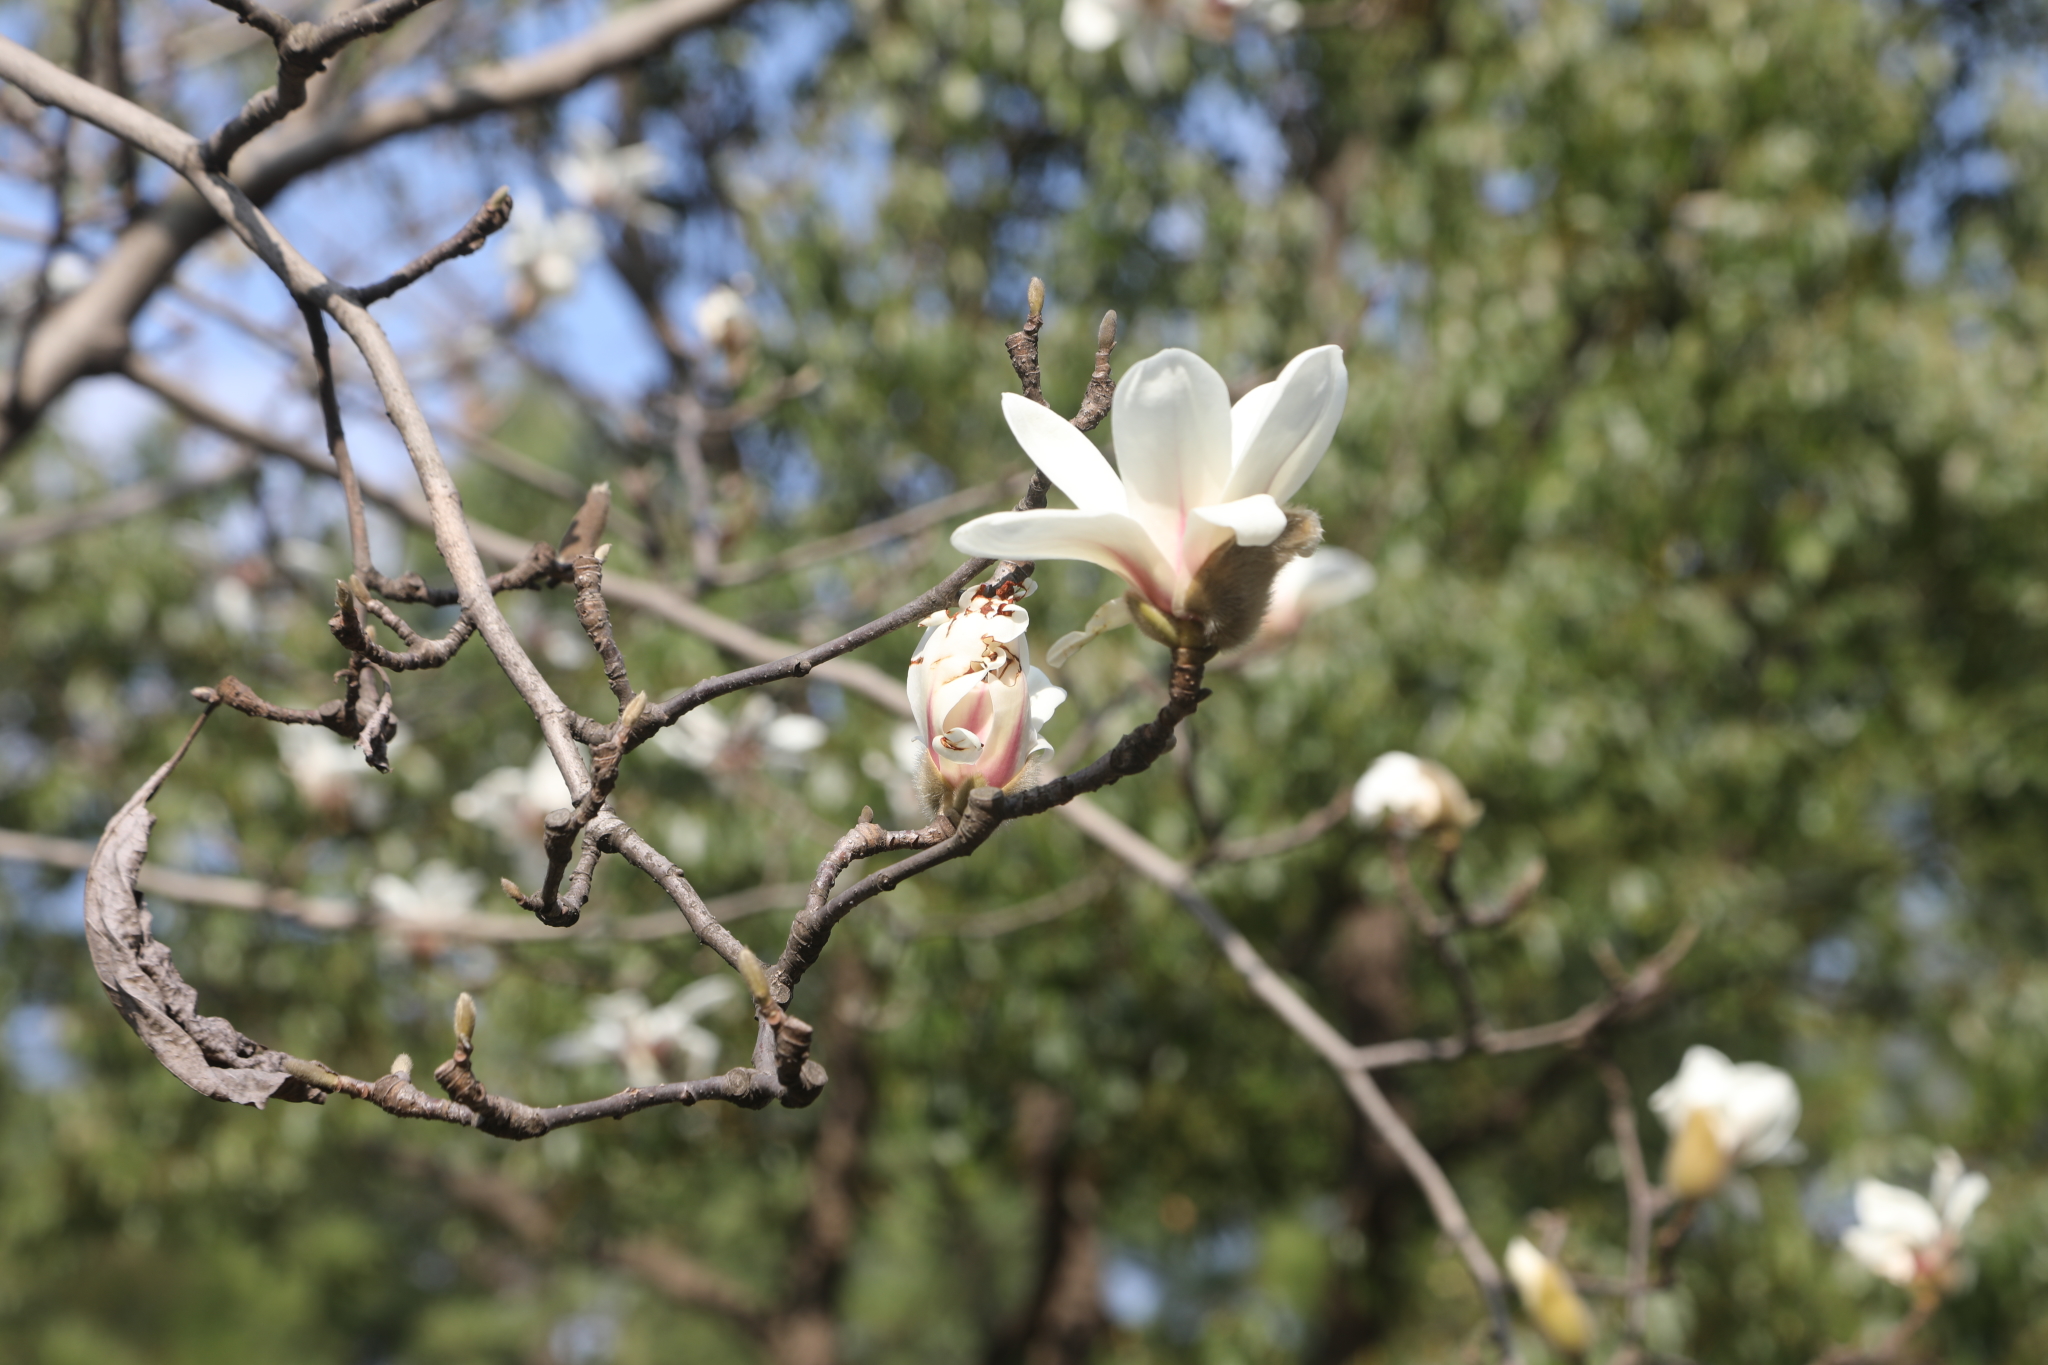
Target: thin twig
303, 51
1306, 830
496, 212
1437, 930
1642, 1200
1288, 1005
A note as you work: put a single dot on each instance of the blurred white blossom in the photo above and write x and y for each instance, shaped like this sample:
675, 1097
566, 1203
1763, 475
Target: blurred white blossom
546, 252
435, 894
1412, 796
68, 272
513, 802
329, 773
651, 1044
1153, 32
598, 174
1721, 1116
1549, 1297
759, 732
724, 318
1912, 1240
1328, 578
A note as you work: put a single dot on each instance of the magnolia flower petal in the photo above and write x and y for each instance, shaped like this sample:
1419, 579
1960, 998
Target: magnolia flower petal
1896, 1212
1762, 1112
1115, 542
1963, 1198
1257, 520
1068, 458
1090, 25
1171, 415
1111, 614
1882, 1254
1701, 1081
1397, 786
1330, 577
966, 703
1279, 431
960, 745
1045, 698
919, 683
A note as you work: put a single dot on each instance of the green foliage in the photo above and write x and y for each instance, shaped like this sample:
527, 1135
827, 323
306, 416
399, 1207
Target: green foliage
1708, 539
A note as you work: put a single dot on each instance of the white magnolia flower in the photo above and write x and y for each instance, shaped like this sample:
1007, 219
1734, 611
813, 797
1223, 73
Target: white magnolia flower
1191, 518
1911, 1240
437, 893
724, 320
548, 251
1153, 31
976, 700
1720, 1116
704, 739
596, 173
514, 802
1412, 796
1328, 578
69, 271
1550, 1298
650, 1044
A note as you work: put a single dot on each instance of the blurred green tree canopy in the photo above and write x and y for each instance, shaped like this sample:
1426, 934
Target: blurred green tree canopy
1697, 435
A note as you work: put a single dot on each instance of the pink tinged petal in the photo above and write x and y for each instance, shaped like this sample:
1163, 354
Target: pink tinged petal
1882, 1254
1008, 729
1171, 416
1068, 458
964, 705
1117, 543
1279, 431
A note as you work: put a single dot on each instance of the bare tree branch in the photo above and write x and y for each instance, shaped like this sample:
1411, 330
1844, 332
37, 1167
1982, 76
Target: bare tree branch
470, 238
88, 331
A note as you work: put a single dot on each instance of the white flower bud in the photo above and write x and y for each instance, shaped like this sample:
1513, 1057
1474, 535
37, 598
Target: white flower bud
1722, 1116
1412, 796
1548, 1295
977, 701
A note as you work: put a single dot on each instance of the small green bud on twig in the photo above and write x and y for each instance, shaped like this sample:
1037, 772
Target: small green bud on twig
630, 717
465, 1021
1035, 296
756, 977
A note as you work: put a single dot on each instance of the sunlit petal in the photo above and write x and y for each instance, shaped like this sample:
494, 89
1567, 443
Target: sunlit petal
1171, 419
1115, 542
1068, 458
1280, 430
